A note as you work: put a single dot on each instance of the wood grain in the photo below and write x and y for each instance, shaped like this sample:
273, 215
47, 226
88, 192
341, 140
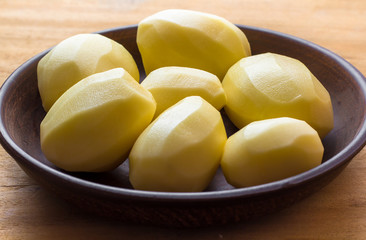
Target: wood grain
28, 27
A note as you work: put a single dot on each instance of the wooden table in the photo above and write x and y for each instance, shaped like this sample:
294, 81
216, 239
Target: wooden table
27, 211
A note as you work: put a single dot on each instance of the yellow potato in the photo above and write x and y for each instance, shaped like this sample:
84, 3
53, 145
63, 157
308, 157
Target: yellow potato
188, 38
271, 85
169, 85
94, 124
270, 150
76, 58
179, 151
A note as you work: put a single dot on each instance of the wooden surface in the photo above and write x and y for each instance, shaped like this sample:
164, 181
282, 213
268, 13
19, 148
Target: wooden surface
27, 211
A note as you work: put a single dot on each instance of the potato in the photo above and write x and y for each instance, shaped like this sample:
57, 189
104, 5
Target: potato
193, 39
169, 85
179, 151
93, 125
272, 85
270, 150
76, 58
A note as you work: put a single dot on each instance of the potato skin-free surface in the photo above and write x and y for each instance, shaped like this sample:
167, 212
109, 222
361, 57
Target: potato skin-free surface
271, 85
186, 38
169, 85
94, 124
270, 150
78, 57
179, 151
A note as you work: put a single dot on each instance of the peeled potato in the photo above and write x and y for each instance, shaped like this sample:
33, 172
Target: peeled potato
270, 150
179, 151
169, 85
76, 58
271, 85
193, 39
93, 125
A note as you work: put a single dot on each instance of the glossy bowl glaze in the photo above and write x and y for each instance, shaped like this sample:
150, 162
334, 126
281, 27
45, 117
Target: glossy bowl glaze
111, 195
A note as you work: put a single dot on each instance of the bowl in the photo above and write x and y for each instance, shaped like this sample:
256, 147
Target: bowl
111, 195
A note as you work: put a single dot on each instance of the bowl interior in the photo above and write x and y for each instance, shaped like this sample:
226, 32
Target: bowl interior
22, 112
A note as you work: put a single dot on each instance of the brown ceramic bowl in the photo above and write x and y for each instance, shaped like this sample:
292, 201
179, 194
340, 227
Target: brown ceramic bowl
110, 194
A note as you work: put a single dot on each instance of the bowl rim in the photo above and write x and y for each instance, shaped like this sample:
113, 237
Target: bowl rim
346, 154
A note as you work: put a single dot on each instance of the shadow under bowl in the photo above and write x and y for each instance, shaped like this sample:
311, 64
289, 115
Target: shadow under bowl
110, 194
